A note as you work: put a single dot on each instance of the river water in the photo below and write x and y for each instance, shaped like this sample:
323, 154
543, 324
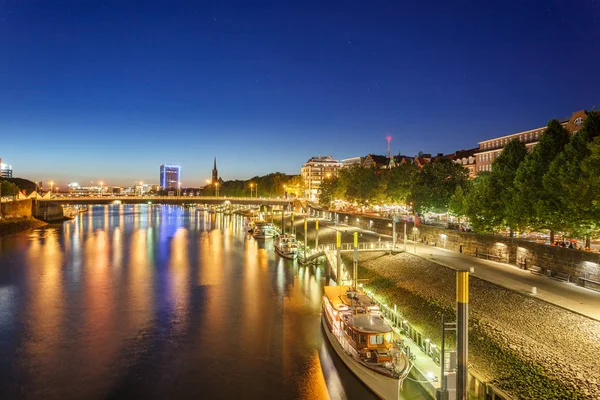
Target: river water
160, 302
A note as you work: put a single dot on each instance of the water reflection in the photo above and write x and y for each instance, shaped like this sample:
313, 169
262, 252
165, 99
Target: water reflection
152, 301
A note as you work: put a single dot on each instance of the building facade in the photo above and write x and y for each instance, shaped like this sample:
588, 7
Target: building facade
5, 170
489, 150
315, 171
467, 159
170, 176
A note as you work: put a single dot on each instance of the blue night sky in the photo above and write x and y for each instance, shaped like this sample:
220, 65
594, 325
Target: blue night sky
109, 90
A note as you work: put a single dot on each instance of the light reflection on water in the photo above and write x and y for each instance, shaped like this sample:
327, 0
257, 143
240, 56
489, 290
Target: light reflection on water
160, 302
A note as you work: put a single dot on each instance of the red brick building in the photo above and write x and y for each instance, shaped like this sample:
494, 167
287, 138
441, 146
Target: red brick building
490, 149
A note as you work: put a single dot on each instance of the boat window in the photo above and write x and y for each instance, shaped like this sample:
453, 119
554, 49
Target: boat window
361, 338
376, 339
388, 337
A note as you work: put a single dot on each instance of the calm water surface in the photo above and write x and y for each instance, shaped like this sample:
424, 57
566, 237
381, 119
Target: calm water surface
159, 302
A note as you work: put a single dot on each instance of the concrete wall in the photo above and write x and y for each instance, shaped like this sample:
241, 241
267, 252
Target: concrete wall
553, 261
48, 211
16, 209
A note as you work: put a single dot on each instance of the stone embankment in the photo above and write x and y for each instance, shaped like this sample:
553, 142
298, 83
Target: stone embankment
529, 348
16, 225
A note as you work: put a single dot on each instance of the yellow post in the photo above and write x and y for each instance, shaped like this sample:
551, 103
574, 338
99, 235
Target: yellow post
462, 333
316, 233
338, 244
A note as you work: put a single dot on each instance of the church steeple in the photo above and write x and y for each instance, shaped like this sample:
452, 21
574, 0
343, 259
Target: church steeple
215, 173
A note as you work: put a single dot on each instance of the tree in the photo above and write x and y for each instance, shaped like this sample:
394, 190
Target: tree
481, 205
328, 191
458, 204
531, 198
570, 208
400, 182
8, 189
502, 179
435, 184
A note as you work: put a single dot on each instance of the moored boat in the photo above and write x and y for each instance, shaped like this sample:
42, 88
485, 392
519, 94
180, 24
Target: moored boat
263, 230
363, 340
286, 246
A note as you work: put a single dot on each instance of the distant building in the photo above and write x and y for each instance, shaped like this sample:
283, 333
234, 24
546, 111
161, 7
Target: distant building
215, 173
490, 149
467, 159
5, 170
348, 162
170, 176
376, 162
315, 171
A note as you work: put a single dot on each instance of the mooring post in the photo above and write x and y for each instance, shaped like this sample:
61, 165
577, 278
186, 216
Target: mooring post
316, 233
462, 333
355, 263
338, 244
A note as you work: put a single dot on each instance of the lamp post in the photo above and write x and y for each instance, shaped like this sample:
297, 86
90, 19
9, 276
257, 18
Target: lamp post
256, 193
51, 187
251, 187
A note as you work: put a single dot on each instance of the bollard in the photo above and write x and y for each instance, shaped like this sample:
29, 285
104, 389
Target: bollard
533, 290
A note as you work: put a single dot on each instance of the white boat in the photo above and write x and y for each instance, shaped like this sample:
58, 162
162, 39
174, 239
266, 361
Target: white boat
263, 230
363, 340
286, 246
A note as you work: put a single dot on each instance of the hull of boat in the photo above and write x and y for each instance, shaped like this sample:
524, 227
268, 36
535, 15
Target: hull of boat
383, 386
290, 256
263, 235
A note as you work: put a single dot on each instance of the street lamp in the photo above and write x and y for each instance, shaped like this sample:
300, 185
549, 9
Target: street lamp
51, 187
251, 186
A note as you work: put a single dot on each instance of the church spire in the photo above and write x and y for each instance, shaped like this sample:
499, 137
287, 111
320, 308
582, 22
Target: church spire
215, 173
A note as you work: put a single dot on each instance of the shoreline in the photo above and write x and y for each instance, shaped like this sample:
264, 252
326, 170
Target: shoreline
17, 225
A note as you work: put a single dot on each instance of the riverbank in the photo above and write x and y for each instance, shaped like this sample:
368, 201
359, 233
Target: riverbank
529, 348
17, 225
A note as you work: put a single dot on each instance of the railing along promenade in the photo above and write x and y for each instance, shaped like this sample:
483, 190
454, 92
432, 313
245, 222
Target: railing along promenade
168, 200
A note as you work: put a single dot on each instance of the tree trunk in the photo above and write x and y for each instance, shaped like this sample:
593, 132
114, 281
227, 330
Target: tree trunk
510, 232
551, 236
588, 242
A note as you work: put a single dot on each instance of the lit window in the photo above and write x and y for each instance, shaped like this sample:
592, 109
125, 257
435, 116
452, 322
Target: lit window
375, 339
578, 121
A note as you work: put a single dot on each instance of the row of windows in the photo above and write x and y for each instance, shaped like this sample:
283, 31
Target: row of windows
486, 168
526, 137
488, 156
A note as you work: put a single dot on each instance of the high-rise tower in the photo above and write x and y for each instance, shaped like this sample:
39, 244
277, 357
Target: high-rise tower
215, 173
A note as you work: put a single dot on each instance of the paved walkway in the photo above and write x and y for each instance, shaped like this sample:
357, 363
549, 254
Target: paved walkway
566, 295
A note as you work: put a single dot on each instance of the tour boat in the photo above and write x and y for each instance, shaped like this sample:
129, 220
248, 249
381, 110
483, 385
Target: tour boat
359, 335
263, 230
286, 246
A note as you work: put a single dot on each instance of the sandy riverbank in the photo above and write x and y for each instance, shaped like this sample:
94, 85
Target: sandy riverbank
527, 347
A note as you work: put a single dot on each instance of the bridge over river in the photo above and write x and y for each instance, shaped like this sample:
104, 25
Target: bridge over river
209, 200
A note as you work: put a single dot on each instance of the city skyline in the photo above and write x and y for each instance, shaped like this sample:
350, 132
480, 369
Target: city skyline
281, 83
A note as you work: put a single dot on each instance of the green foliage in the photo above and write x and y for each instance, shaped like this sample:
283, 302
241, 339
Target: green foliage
435, 184
571, 206
271, 185
400, 182
482, 204
457, 205
532, 201
9, 189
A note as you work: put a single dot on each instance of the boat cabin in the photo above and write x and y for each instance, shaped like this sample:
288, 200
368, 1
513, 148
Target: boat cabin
360, 320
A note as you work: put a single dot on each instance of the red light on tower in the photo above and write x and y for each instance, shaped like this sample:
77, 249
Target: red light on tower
389, 140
